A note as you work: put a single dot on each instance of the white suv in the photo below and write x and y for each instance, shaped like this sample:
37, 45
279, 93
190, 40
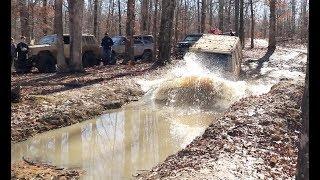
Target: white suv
143, 46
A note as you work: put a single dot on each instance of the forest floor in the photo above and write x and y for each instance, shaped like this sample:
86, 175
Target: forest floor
257, 136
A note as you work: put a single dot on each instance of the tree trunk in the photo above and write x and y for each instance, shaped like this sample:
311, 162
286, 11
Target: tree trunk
304, 28
149, 16
293, 17
95, 18
24, 19
130, 31
45, 14
211, 14
264, 24
113, 28
203, 15
31, 19
186, 17
155, 20
241, 28
229, 15
176, 25
144, 16
165, 34
76, 16
236, 17
198, 16
221, 7
252, 24
119, 18
61, 63
272, 27
303, 155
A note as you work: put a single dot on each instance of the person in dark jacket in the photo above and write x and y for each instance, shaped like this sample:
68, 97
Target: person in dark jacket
22, 50
13, 52
106, 44
231, 33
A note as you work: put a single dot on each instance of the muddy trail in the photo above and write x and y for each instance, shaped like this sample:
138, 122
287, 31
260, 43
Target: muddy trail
51, 101
258, 136
252, 119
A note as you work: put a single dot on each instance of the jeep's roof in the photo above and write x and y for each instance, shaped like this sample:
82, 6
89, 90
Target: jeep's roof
215, 43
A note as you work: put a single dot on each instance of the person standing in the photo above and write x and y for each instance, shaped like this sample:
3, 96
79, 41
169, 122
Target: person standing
22, 50
106, 44
13, 52
231, 33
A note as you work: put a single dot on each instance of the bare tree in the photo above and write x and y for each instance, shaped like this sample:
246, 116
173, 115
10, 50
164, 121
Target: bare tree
252, 24
95, 18
293, 17
130, 31
210, 13
304, 27
61, 63
144, 16
165, 35
203, 15
176, 23
228, 19
236, 17
272, 27
24, 19
264, 24
119, 18
155, 20
221, 7
45, 14
76, 16
198, 16
241, 28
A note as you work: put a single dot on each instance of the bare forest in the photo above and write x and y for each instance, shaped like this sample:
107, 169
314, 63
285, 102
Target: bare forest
160, 89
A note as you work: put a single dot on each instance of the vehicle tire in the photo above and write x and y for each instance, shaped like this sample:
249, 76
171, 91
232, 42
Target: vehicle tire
89, 59
46, 63
147, 56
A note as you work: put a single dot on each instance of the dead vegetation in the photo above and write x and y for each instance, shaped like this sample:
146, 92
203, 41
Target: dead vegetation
256, 138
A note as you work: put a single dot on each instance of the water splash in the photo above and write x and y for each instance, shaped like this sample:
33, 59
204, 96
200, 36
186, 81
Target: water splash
192, 84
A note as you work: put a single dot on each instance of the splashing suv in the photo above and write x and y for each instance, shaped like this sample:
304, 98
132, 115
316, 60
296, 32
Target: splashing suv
219, 53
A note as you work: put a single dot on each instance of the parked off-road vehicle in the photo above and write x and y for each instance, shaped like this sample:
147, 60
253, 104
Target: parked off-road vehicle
143, 46
221, 53
43, 56
183, 46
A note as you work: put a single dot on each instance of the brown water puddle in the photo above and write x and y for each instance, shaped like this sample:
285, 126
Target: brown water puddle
119, 144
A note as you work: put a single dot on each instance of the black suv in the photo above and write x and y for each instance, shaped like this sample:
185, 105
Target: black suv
183, 46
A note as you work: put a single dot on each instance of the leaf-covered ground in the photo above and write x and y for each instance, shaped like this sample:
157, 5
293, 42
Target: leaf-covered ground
51, 101
257, 138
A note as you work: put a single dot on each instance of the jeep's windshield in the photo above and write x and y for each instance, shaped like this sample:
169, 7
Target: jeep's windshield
117, 40
192, 38
47, 40
217, 60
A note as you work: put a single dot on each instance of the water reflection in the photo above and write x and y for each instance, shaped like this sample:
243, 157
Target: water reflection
118, 144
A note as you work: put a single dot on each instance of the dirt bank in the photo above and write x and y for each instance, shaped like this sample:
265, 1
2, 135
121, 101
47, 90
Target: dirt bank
51, 101
256, 138
32, 170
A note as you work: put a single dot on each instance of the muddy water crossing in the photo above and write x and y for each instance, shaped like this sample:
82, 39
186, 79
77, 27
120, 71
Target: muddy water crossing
176, 108
118, 144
